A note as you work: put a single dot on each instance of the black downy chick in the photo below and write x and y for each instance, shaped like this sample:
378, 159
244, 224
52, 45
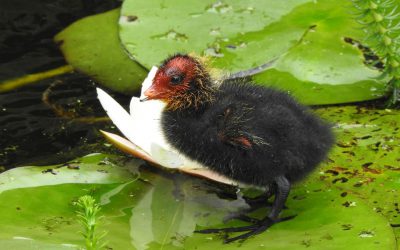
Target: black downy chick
252, 134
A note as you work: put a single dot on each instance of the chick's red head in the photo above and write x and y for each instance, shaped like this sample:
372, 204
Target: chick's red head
174, 77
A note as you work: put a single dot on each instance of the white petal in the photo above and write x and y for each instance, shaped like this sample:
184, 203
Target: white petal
189, 168
148, 81
137, 131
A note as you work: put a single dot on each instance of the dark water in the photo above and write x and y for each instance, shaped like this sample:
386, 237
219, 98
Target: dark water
30, 132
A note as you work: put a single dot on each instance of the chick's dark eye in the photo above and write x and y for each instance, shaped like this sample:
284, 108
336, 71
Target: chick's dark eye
176, 79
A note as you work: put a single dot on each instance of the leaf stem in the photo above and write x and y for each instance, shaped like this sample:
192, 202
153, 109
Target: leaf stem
31, 78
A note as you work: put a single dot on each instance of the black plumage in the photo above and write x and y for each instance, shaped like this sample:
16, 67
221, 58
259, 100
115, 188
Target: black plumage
252, 134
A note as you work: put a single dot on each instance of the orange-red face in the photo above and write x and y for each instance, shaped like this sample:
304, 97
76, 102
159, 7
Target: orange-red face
173, 78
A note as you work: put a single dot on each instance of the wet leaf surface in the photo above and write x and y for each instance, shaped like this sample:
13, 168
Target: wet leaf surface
305, 42
98, 53
351, 202
371, 159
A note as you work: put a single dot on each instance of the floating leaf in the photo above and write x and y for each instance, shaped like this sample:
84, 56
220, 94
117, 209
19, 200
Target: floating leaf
161, 210
367, 157
304, 41
91, 45
37, 210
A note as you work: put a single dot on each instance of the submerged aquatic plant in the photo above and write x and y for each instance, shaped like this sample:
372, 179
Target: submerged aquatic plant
380, 20
88, 216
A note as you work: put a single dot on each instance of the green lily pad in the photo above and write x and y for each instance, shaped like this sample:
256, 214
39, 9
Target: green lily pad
94, 168
321, 223
37, 202
304, 41
161, 210
365, 162
91, 45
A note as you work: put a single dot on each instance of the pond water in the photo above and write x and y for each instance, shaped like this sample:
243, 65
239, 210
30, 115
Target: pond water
30, 131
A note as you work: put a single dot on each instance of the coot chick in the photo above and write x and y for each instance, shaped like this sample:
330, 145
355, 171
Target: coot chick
252, 134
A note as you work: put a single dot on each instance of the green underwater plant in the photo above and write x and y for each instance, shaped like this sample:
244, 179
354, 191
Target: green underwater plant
88, 215
380, 20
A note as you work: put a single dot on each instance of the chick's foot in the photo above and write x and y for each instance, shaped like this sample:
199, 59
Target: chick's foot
257, 228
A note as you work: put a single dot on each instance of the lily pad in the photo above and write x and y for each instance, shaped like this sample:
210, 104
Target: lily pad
91, 45
37, 202
303, 40
366, 160
161, 210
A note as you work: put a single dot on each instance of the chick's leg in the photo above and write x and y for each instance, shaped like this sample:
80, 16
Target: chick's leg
254, 203
262, 200
281, 194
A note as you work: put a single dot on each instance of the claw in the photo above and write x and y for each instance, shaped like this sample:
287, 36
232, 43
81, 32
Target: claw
254, 229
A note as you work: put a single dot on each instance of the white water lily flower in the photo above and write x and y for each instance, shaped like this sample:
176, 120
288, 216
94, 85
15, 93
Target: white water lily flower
145, 139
